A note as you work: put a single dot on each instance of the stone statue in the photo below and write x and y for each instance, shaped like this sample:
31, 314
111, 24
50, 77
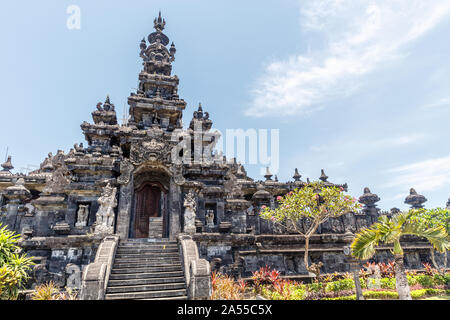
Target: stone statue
210, 218
82, 215
189, 213
105, 214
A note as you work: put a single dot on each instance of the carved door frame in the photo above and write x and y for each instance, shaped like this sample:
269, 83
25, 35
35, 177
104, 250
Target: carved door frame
162, 206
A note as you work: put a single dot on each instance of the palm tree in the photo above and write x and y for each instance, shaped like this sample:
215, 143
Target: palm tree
389, 231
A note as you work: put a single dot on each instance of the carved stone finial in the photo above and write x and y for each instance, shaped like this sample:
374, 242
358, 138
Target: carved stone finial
415, 200
323, 176
296, 176
159, 23
268, 174
7, 165
369, 199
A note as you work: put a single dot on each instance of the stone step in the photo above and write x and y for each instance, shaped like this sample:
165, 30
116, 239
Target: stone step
146, 295
148, 240
146, 275
148, 245
123, 265
148, 287
160, 268
162, 255
148, 259
131, 282
145, 250
168, 298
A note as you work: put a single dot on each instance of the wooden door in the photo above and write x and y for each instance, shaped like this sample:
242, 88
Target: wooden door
147, 205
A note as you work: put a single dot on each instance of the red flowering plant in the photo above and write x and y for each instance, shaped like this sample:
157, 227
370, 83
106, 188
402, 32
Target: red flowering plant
315, 202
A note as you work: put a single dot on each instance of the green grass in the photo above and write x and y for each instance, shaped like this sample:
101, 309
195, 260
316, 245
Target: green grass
438, 298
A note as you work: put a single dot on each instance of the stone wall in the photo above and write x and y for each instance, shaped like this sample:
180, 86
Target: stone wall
241, 254
60, 259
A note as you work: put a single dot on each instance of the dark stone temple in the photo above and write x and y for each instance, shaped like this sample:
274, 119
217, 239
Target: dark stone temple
145, 210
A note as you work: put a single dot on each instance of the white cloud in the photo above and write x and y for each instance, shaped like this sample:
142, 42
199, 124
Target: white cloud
361, 37
444, 102
428, 175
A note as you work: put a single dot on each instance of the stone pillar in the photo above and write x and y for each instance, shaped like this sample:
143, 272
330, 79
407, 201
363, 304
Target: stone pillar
261, 198
238, 208
50, 215
16, 197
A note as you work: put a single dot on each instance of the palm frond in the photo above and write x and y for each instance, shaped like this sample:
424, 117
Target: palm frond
437, 236
363, 246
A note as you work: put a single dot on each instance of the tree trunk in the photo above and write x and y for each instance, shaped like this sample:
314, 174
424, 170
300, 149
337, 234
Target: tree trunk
401, 280
305, 258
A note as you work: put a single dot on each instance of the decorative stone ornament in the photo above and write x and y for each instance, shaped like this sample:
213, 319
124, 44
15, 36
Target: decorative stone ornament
190, 208
415, 200
82, 215
105, 215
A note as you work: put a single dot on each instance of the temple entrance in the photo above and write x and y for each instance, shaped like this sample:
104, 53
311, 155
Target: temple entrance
150, 211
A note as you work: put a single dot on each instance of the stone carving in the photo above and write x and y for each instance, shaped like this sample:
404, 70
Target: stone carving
57, 182
82, 215
126, 168
210, 218
189, 212
415, 200
105, 214
153, 150
74, 279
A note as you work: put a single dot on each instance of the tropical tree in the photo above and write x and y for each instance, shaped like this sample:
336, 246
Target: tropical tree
14, 265
433, 218
315, 203
389, 231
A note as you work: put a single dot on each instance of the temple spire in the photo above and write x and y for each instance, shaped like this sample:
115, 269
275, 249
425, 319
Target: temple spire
159, 23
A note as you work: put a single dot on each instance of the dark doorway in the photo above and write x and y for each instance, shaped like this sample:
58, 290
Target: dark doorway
148, 205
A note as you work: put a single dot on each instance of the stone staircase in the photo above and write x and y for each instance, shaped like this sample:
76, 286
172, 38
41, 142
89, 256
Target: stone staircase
155, 228
148, 269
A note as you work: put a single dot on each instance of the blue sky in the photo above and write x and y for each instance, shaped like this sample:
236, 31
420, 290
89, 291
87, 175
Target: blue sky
360, 89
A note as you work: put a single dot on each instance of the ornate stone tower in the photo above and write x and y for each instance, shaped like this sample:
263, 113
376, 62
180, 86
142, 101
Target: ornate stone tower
156, 102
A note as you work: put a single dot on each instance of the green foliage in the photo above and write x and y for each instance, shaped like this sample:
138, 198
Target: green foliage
434, 217
316, 286
412, 280
340, 285
390, 230
352, 297
314, 201
380, 295
442, 279
15, 265
293, 292
418, 294
387, 283
425, 281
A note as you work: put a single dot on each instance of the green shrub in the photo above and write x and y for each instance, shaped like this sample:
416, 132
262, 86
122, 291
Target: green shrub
425, 281
14, 265
352, 297
363, 283
412, 281
380, 295
316, 286
417, 294
344, 284
440, 279
387, 283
